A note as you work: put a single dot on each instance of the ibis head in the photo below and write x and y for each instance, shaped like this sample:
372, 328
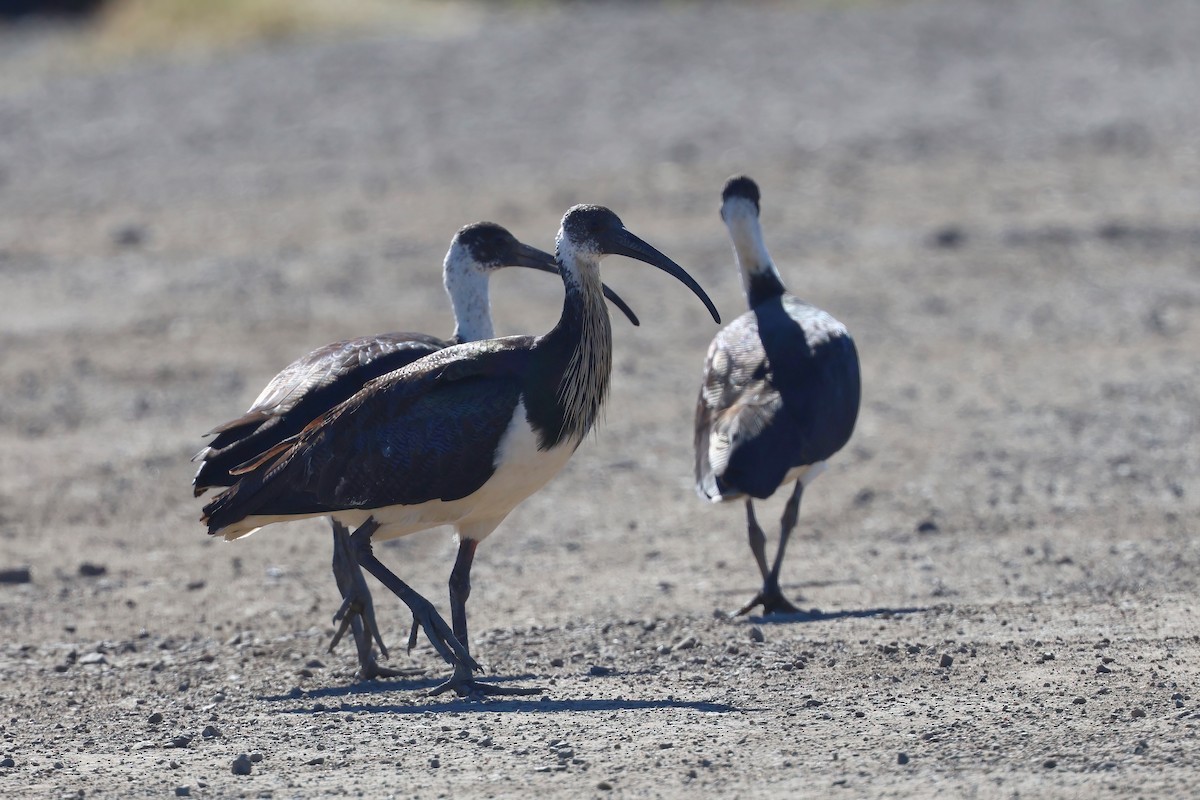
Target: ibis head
589, 233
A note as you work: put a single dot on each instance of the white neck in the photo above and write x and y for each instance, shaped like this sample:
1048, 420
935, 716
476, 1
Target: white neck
741, 217
468, 291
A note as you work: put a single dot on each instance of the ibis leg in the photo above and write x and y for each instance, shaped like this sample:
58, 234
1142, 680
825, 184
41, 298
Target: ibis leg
357, 612
462, 682
770, 597
424, 614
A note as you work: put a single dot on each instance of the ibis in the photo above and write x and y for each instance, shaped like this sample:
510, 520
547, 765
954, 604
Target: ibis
459, 437
318, 381
779, 396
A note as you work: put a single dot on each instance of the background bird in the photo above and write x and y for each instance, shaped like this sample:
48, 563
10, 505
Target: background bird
458, 438
780, 393
318, 381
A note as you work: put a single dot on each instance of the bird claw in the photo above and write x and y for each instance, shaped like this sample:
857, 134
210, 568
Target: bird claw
464, 684
442, 638
772, 601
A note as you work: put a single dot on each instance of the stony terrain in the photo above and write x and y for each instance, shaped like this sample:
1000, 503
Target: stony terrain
1002, 202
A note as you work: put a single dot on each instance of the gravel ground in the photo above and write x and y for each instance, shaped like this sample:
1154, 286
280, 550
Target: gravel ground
999, 199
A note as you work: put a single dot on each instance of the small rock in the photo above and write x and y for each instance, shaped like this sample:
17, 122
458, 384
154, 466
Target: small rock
556, 662
240, 765
93, 658
434, 763
1047, 657
1049, 763
947, 661
7, 762
927, 526
599, 671
210, 732
604, 786
1079, 701
89, 570
686, 643
314, 663
16, 575
183, 740
195, 586
1141, 747
255, 757
130, 235
1102, 669
948, 237
155, 718
312, 762
756, 634
1138, 713
183, 791
902, 758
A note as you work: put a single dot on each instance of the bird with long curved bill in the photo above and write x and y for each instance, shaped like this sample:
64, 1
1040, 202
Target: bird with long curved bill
779, 397
318, 381
458, 438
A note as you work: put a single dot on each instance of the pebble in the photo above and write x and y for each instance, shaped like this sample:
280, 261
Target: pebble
155, 718
947, 661
1102, 670
598, 670
7, 762
16, 575
240, 765
686, 643
556, 662
1138, 713
210, 732
93, 658
1049, 763
756, 634
89, 570
183, 791
434, 763
182, 740
604, 786
902, 758
312, 762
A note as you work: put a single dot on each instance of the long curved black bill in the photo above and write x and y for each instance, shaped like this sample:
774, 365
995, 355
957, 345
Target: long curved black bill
534, 258
624, 243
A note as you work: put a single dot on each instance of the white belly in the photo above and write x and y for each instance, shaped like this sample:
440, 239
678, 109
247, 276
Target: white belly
520, 470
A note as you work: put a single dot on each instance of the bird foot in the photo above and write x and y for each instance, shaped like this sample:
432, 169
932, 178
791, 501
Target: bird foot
442, 638
464, 685
772, 601
373, 670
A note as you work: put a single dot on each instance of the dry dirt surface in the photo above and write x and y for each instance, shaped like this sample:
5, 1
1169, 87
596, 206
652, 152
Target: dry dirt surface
1000, 199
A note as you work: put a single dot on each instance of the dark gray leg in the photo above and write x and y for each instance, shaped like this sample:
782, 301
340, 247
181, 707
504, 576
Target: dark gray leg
770, 597
424, 614
357, 612
462, 682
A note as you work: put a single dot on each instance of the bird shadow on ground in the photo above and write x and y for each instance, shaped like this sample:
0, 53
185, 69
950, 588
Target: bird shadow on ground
532, 705
817, 615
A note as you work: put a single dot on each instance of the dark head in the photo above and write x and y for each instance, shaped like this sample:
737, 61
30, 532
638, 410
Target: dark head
491, 247
589, 233
739, 187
